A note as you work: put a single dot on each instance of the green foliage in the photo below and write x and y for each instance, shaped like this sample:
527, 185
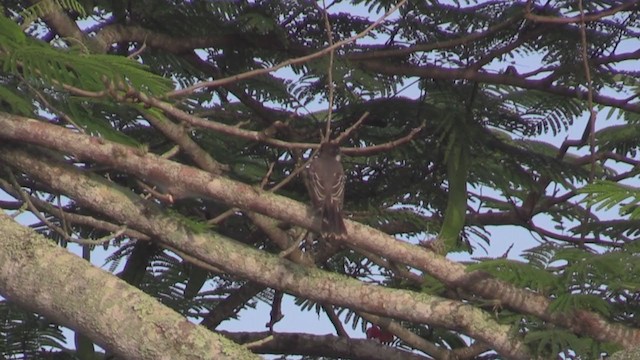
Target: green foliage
46, 7
85, 115
12, 102
24, 334
37, 63
40, 63
617, 270
566, 303
549, 343
190, 222
413, 223
185, 288
621, 139
521, 274
545, 113
606, 195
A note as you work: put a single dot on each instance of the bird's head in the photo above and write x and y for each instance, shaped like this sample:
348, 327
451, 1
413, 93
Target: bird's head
330, 150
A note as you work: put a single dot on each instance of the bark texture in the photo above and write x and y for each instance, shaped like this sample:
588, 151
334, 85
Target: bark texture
45, 278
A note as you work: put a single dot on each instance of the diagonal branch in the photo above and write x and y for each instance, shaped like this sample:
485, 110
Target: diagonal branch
235, 258
245, 197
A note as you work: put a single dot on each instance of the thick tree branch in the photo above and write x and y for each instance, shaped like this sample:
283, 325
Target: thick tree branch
249, 263
35, 273
203, 184
179, 135
321, 345
116, 33
408, 337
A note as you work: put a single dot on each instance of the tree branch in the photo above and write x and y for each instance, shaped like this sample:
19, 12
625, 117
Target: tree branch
245, 197
235, 258
438, 72
35, 273
321, 345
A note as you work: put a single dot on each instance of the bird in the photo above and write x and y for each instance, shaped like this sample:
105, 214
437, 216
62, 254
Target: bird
326, 181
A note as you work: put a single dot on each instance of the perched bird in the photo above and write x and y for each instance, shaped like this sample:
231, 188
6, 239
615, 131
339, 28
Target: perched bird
326, 188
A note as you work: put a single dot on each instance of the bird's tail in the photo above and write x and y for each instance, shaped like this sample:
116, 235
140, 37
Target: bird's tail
332, 222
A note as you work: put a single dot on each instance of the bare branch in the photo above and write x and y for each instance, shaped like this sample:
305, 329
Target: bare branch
582, 18
333, 346
376, 149
345, 134
249, 263
295, 61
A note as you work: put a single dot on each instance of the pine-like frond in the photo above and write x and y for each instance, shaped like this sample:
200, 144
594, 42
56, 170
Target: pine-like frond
518, 273
24, 334
40, 63
621, 139
46, 7
606, 195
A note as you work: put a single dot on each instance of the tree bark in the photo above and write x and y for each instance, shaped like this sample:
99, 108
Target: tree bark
42, 277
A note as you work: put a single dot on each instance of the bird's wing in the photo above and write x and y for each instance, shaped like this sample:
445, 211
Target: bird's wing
337, 190
316, 184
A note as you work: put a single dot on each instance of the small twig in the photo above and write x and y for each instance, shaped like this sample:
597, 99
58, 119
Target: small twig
582, 18
74, 218
216, 220
375, 149
286, 252
155, 193
335, 320
294, 173
103, 239
46, 102
572, 239
62, 215
34, 210
178, 134
81, 92
327, 26
590, 131
171, 152
265, 179
257, 136
295, 61
436, 45
194, 261
139, 51
277, 187
258, 343
407, 336
345, 134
